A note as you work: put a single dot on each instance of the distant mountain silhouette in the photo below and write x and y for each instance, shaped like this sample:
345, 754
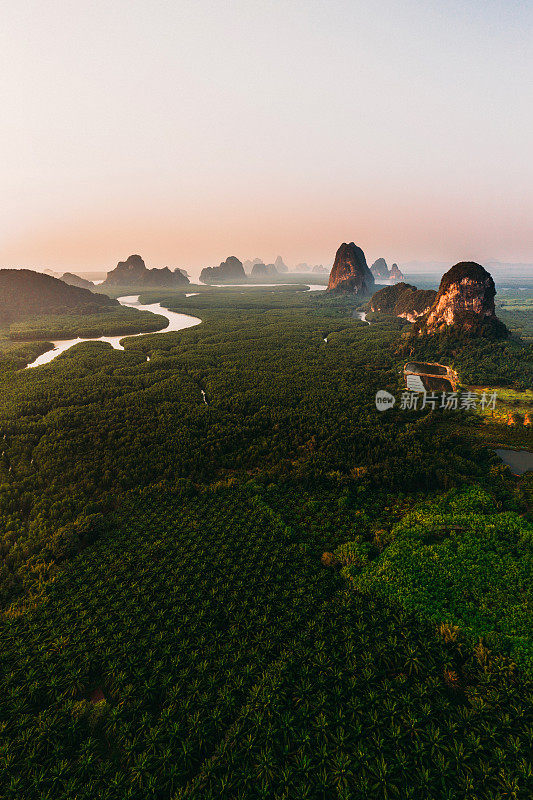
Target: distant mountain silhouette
24, 293
264, 271
379, 269
133, 273
396, 274
381, 272
229, 271
75, 280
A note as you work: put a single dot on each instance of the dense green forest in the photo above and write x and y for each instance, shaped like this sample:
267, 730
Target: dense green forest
507, 362
462, 560
36, 308
181, 544
24, 293
64, 326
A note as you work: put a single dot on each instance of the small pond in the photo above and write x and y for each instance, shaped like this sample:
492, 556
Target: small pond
519, 461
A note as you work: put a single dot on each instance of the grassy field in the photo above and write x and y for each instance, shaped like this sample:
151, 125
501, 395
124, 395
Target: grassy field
517, 314
509, 401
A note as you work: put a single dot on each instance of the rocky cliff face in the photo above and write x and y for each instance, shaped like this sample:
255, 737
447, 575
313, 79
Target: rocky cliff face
403, 300
229, 271
465, 300
380, 270
350, 272
396, 274
413, 305
134, 273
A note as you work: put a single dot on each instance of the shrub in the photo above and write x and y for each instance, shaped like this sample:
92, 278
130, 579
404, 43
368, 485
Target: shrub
353, 554
458, 567
328, 560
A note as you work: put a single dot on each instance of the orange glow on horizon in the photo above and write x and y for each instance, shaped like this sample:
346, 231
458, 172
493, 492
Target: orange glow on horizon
309, 233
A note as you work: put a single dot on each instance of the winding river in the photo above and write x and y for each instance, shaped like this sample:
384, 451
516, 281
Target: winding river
313, 287
176, 322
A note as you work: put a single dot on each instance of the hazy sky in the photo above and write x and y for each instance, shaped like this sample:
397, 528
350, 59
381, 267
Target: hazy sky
189, 130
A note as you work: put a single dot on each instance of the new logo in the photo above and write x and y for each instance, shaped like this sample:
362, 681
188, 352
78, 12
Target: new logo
384, 400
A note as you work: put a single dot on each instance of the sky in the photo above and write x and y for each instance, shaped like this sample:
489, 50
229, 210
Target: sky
189, 130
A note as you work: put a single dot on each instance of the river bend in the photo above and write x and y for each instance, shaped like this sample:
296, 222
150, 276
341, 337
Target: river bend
176, 322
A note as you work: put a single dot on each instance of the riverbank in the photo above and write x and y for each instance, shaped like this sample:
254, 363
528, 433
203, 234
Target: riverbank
175, 322
518, 461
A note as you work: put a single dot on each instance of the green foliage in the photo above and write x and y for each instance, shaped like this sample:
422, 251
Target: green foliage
517, 315
24, 293
65, 326
167, 628
367, 707
196, 650
353, 554
402, 298
478, 361
15, 355
460, 561
282, 406
173, 616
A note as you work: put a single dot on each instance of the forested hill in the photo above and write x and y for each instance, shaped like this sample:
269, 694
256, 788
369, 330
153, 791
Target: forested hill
24, 293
